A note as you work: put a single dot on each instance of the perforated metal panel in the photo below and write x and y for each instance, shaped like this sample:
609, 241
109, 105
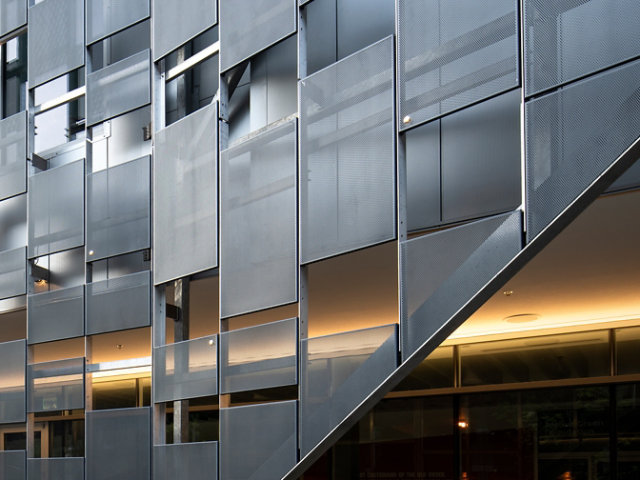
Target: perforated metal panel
573, 135
246, 28
56, 209
55, 315
13, 356
56, 39
258, 441
119, 303
13, 14
443, 270
565, 40
56, 385
13, 155
13, 272
195, 461
185, 229
67, 468
118, 444
451, 57
118, 209
347, 181
174, 23
259, 357
13, 464
185, 369
337, 373
118, 88
105, 17
258, 255
13, 222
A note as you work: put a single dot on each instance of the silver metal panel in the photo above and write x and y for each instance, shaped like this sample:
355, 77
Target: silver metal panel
55, 385
573, 135
441, 271
13, 465
566, 40
119, 303
185, 369
257, 442
347, 135
337, 373
118, 444
452, 57
66, 468
13, 14
55, 315
13, 222
258, 256
247, 28
174, 23
118, 209
13, 272
119, 87
259, 357
13, 356
56, 209
193, 461
105, 17
56, 39
186, 196
13, 155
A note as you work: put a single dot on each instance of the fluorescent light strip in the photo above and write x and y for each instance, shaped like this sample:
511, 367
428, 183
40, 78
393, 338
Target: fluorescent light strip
61, 100
192, 61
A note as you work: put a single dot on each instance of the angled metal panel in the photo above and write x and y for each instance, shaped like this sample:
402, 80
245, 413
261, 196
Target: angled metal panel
13, 15
67, 468
55, 315
13, 356
13, 272
57, 385
193, 461
13, 465
105, 17
13, 155
13, 222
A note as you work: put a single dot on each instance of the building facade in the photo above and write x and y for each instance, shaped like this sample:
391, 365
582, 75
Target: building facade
251, 239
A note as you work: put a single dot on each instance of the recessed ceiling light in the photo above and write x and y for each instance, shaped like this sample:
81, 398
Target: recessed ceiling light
507, 293
119, 346
522, 318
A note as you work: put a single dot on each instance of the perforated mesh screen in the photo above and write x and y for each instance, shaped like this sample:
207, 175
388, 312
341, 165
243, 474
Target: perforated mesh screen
566, 40
12, 464
55, 468
13, 14
13, 155
573, 135
13, 272
347, 181
258, 255
451, 57
105, 17
56, 385
13, 356
193, 461
55, 315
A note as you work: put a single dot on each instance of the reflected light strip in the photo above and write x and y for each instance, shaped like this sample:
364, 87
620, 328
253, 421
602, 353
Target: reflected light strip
119, 365
136, 371
62, 99
192, 61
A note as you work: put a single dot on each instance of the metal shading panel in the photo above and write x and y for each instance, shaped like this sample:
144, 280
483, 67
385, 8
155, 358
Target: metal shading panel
119, 87
566, 40
441, 271
193, 461
452, 57
13, 155
55, 315
56, 39
13, 14
13, 356
337, 373
13, 272
56, 209
67, 468
258, 255
258, 441
347, 145
12, 464
247, 28
118, 444
54, 386
105, 17
186, 196
573, 135
118, 209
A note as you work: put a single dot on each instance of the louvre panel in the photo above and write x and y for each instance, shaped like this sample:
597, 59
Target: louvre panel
566, 40
13, 154
118, 209
118, 88
257, 441
56, 385
56, 209
435, 286
337, 373
105, 17
175, 23
13, 465
193, 461
573, 135
55, 315
56, 39
258, 260
348, 157
186, 196
13, 222
67, 468
13, 14
118, 444
119, 303
185, 369
452, 57
259, 357
247, 28
13, 356
13, 272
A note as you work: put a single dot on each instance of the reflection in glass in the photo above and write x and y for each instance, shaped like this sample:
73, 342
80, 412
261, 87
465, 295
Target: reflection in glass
14, 75
59, 125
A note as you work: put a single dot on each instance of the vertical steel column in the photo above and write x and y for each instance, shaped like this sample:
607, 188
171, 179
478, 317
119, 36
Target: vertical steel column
181, 333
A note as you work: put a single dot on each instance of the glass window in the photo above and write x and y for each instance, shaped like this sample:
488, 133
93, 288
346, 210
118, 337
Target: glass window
14, 75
